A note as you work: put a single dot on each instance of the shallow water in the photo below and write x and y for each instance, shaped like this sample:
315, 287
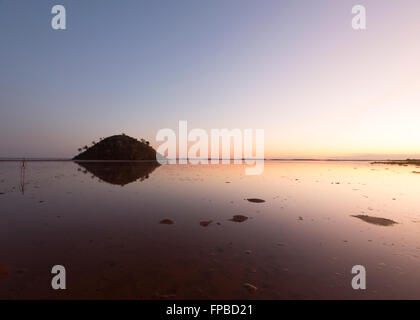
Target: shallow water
179, 232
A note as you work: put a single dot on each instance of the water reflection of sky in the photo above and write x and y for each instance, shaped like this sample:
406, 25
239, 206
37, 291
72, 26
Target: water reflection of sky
300, 243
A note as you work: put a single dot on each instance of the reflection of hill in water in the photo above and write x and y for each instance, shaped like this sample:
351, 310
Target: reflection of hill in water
119, 173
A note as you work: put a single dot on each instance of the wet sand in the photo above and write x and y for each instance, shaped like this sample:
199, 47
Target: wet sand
315, 221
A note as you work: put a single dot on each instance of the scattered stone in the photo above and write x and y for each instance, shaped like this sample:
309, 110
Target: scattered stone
239, 218
205, 223
166, 221
255, 200
375, 220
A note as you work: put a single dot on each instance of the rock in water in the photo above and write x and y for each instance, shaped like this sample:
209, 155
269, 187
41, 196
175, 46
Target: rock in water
239, 218
166, 221
255, 200
375, 220
205, 223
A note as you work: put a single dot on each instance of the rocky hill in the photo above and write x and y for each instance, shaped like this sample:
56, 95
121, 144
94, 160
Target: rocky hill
118, 147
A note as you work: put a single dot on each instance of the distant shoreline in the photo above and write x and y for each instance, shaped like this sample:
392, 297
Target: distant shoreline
399, 162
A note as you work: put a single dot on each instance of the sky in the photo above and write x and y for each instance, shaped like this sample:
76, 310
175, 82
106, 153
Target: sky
294, 68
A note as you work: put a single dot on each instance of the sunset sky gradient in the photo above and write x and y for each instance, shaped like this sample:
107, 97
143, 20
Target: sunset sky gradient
293, 68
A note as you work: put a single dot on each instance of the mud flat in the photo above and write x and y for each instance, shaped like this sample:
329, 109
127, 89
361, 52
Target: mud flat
130, 230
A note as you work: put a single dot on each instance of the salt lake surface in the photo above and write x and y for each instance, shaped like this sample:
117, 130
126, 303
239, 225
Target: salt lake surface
139, 231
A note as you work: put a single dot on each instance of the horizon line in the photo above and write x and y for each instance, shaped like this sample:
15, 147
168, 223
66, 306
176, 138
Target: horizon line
18, 159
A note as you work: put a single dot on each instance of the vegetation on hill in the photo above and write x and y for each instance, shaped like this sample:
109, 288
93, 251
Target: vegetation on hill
118, 147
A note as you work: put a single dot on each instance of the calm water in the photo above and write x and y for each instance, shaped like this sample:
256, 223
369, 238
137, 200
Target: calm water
102, 222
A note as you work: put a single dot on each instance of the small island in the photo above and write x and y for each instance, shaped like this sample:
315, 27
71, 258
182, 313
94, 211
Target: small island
118, 148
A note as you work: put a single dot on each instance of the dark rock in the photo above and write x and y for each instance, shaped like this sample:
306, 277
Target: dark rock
375, 220
255, 200
239, 218
205, 223
166, 221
